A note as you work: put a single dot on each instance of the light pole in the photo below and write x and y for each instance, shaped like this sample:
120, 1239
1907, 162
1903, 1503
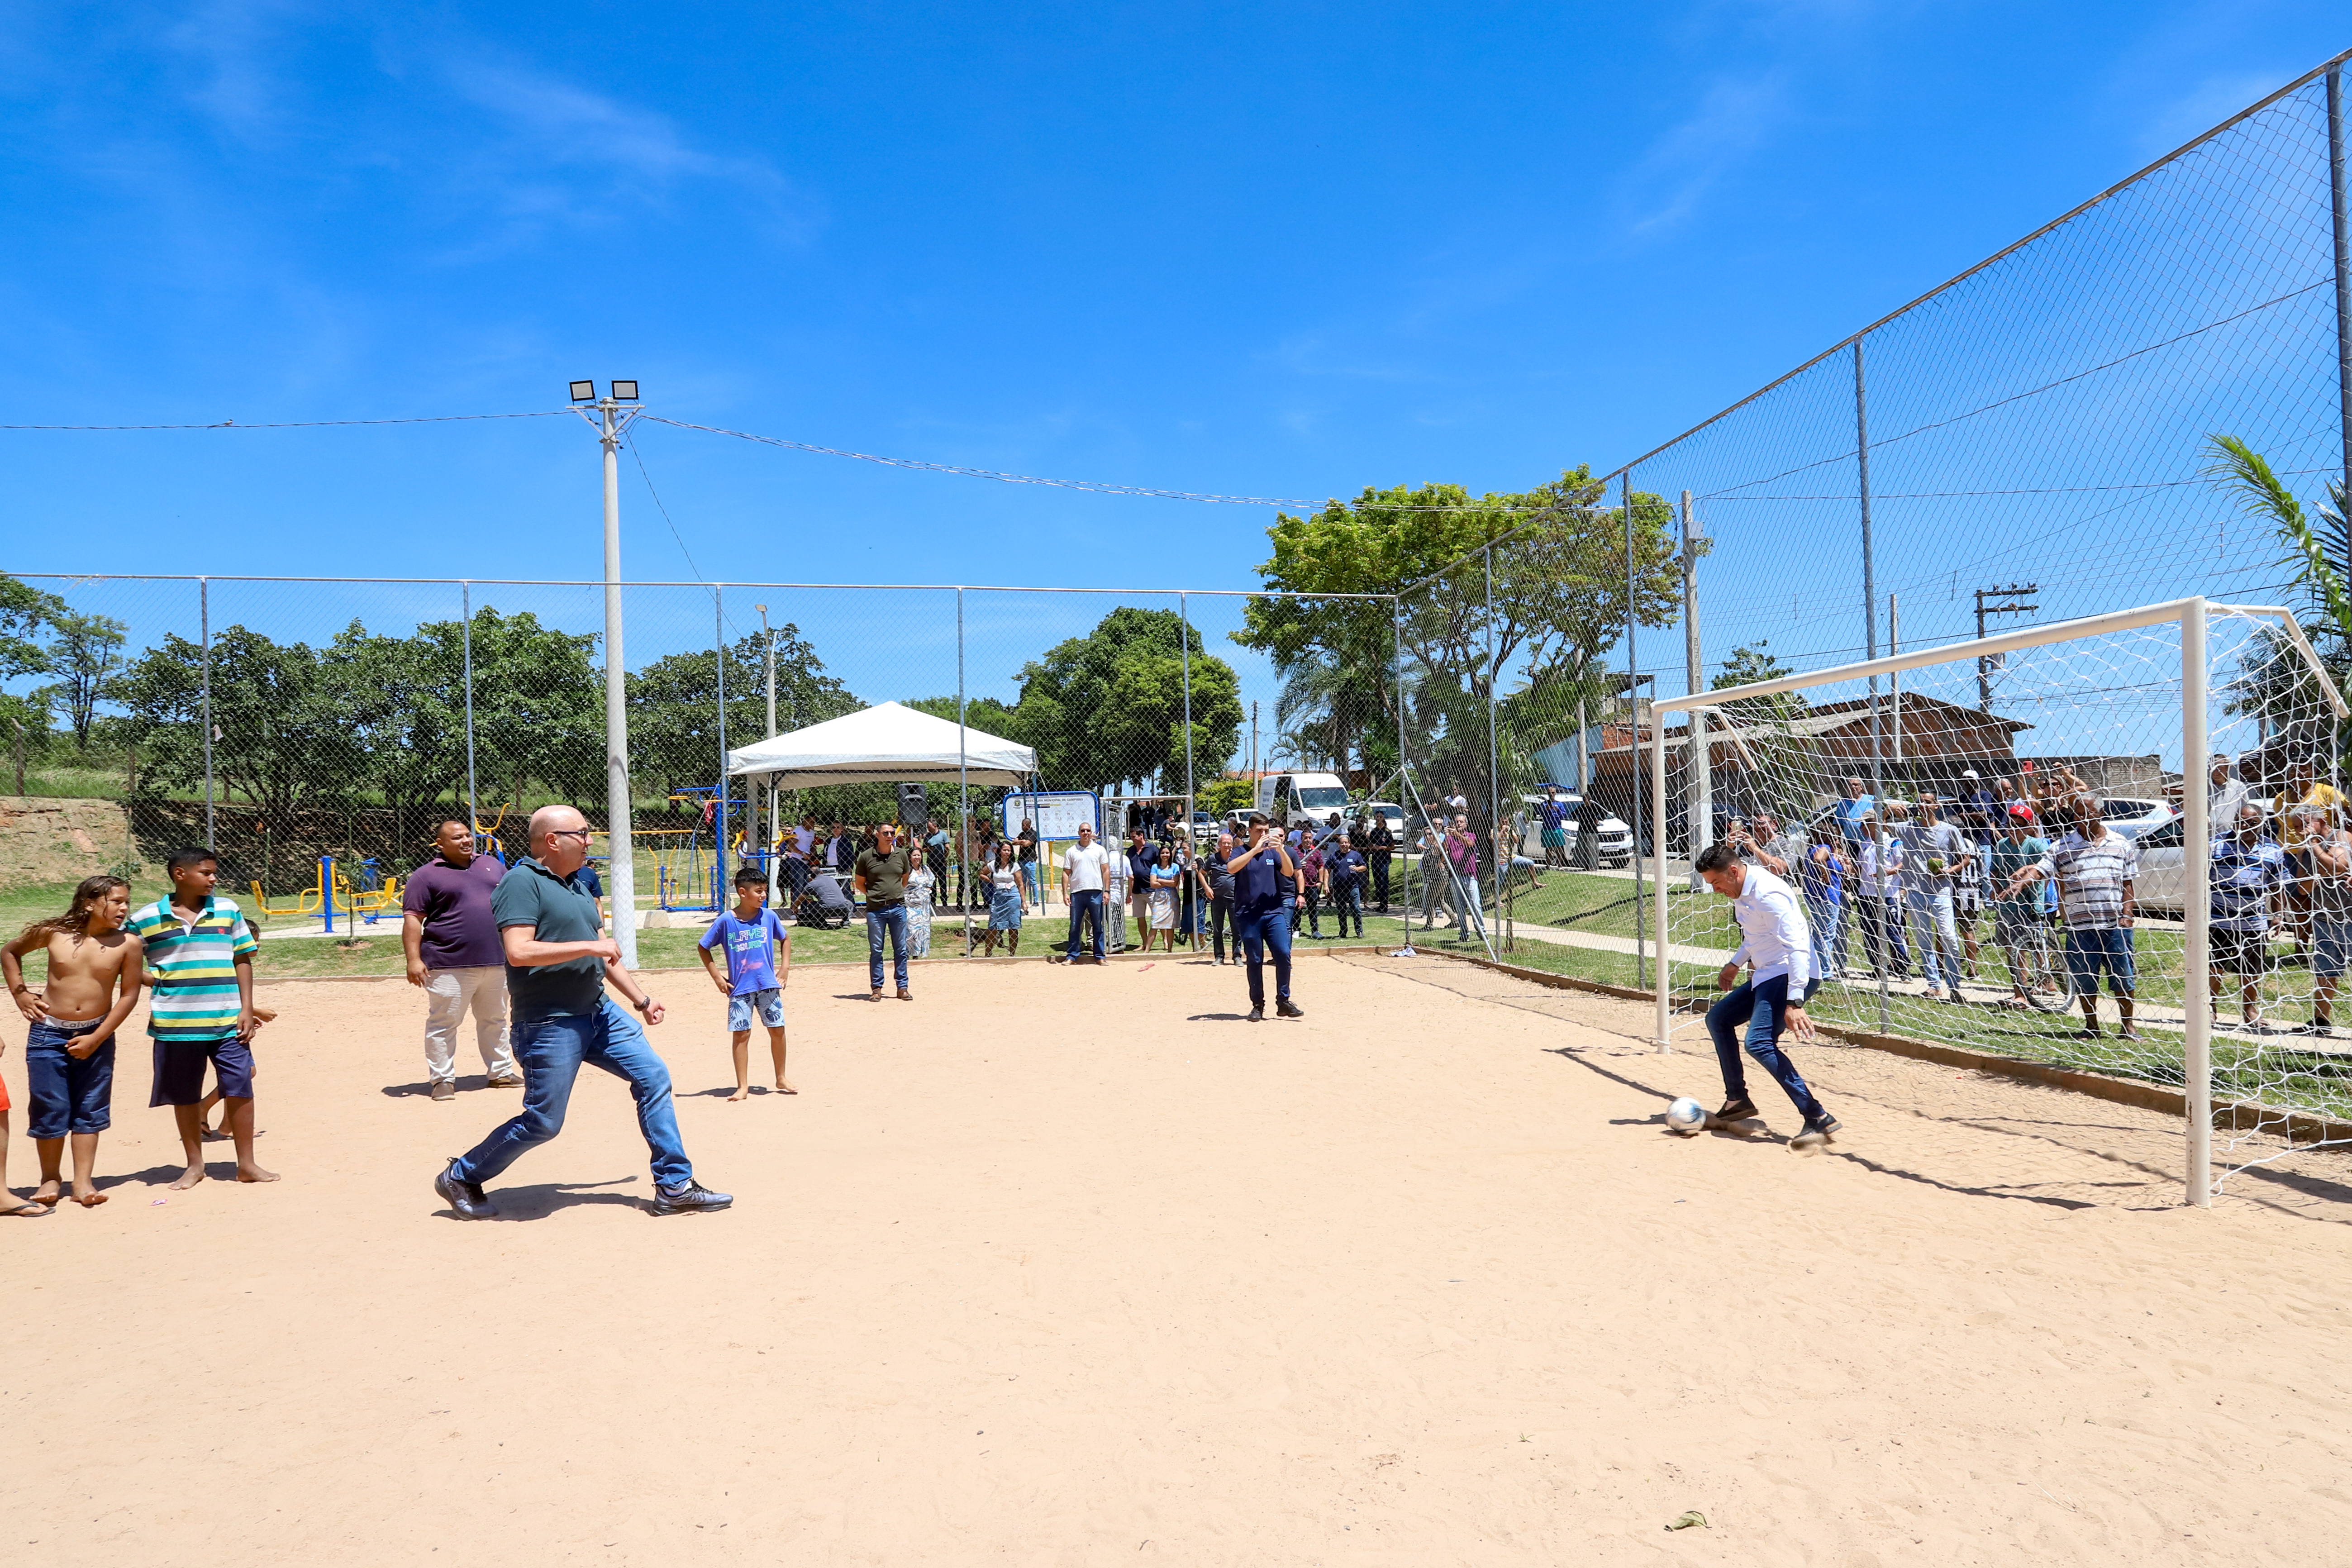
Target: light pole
610, 418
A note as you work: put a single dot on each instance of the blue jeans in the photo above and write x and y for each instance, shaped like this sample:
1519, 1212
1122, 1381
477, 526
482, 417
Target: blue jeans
878, 922
1763, 1010
551, 1052
1256, 931
1828, 923
1349, 896
1938, 934
1086, 910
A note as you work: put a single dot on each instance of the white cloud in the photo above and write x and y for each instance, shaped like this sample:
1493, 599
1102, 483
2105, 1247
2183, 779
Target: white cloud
1667, 183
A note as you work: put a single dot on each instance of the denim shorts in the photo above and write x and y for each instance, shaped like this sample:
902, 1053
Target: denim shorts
2331, 946
69, 1093
768, 1004
2088, 951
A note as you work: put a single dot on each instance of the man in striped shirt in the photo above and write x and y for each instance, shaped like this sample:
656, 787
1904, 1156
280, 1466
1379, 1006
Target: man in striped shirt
199, 958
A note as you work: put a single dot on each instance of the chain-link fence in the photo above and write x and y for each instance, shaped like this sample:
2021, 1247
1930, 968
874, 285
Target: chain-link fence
315, 732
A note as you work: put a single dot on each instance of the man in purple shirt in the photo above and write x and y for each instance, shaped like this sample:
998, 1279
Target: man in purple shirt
454, 953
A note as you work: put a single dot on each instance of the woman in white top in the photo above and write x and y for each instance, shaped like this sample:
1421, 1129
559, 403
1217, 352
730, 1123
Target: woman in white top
920, 887
1003, 902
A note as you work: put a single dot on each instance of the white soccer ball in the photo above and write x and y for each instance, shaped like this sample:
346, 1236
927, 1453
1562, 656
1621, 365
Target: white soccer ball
1685, 1116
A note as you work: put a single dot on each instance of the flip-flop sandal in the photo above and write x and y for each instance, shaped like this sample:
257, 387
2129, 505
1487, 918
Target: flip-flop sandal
27, 1210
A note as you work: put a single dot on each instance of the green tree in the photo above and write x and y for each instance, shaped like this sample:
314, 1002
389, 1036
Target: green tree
674, 706
1558, 604
84, 651
985, 714
284, 736
25, 610
2273, 680
1108, 708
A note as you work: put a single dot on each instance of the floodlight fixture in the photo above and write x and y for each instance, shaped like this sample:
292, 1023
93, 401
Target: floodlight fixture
583, 392
624, 392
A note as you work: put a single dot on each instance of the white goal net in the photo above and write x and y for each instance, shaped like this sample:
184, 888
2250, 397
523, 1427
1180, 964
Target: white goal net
1959, 822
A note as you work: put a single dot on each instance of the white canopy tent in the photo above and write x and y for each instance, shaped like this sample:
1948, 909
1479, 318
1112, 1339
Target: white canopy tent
889, 741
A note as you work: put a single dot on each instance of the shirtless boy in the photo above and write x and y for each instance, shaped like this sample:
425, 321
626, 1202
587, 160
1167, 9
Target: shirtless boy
93, 982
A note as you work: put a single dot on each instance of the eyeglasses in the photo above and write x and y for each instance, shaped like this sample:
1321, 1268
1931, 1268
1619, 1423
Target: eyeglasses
582, 833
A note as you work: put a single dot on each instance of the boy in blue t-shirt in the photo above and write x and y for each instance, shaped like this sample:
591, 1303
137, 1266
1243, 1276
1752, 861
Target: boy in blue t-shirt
759, 965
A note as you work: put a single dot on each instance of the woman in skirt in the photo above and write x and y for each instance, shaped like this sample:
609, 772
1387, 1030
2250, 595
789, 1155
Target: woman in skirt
1163, 906
921, 885
1004, 903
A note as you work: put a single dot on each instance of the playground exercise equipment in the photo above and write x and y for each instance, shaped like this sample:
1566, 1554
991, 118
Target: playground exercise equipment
356, 886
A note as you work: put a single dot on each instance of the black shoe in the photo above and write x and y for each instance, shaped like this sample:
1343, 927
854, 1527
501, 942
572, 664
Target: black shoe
1740, 1109
1825, 1125
1285, 1007
691, 1198
466, 1197
1258, 1013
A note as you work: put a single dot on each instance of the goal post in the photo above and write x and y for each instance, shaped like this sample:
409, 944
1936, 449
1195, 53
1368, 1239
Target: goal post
1902, 841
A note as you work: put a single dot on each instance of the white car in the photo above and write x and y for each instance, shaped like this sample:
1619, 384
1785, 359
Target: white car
2163, 865
1616, 846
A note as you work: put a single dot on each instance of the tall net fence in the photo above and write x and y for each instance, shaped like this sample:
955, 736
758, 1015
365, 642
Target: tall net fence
2035, 436
316, 733
2017, 880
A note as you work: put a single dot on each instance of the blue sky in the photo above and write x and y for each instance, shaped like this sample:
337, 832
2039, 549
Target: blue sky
1270, 250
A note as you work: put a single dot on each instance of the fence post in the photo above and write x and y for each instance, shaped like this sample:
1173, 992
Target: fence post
1187, 842
963, 786
2197, 1040
1634, 707
1404, 786
204, 632
1870, 644
1494, 760
1658, 792
473, 796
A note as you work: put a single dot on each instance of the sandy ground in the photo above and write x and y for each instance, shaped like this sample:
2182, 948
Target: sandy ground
1074, 1266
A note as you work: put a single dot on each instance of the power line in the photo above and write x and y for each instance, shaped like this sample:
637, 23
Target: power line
302, 423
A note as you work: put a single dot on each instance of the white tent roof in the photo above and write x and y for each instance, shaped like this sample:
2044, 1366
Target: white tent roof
888, 741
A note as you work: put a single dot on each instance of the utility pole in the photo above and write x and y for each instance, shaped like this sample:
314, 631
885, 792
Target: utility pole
609, 419
1254, 768
2003, 601
1700, 777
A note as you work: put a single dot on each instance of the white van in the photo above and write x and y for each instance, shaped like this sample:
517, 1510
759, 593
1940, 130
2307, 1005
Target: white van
1282, 796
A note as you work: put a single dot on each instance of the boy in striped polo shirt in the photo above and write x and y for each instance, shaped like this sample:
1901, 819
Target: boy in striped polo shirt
199, 959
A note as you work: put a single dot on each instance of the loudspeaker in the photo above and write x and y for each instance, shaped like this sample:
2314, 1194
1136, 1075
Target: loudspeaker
911, 807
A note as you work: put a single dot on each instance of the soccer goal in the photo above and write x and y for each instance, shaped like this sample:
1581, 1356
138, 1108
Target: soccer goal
1889, 792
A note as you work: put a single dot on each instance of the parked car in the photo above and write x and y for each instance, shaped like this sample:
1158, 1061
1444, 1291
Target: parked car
1616, 838
2163, 865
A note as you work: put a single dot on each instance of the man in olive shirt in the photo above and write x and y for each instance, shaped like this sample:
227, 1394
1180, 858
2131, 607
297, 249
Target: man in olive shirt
558, 962
880, 876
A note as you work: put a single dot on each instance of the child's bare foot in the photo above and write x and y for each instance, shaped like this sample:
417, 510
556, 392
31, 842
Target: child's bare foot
89, 1200
48, 1194
189, 1177
739, 1094
252, 1172
784, 1087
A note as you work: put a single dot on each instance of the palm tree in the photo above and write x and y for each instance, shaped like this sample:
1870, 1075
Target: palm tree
2273, 683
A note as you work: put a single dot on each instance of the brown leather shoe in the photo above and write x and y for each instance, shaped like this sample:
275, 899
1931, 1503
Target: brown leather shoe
904, 995
877, 994
509, 1082
444, 1090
